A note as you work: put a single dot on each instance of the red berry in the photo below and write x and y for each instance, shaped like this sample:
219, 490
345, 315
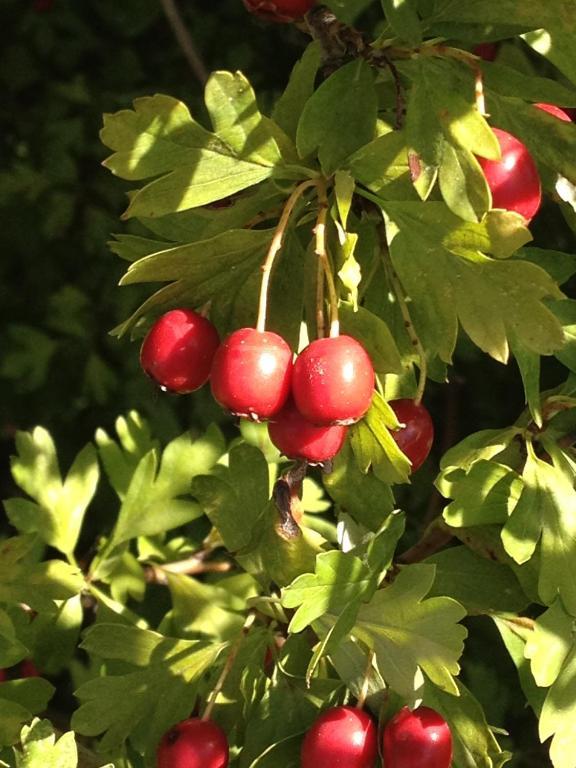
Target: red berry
342, 736
556, 111
486, 51
3, 676
251, 373
333, 381
514, 179
420, 738
297, 438
42, 6
279, 10
178, 350
415, 438
193, 743
28, 669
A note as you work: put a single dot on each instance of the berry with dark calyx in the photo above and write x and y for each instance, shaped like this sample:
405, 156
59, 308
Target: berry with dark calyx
251, 373
552, 109
193, 743
415, 438
333, 381
282, 11
344, 736
297, 438
419, 738
178, 350
513, 180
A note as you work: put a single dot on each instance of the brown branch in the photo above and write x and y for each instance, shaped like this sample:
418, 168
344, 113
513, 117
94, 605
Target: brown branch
182, 35
436, 536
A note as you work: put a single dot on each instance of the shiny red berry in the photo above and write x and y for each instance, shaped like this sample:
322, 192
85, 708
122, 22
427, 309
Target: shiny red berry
552, 109
419, 739
251, 373
297, 438
415, 438
283, 11
513, 180
193, 743
341, 736
333, 381
178, 350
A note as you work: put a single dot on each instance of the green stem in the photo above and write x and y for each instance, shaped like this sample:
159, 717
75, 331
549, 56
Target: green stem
400, 295
275, 246
322, 253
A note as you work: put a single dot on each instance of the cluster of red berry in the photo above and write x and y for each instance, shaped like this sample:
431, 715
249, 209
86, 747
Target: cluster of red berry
309, 402
343, 735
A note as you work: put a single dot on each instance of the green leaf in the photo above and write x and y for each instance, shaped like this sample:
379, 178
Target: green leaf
120, 458
158, 497
237, 121
486, 494
474, 743
366, 498
11, 649
558, 715
402, 16
511, 82
544, 514
380, 162
486, 444
61, 505
439, 112
160, 138
20, 700
549, 644
515, 635
299, 89
529, 366
491, 299
375, 336
340, 116
565, 311
38, 585
209, 611
412, 635
339, 579
480, 585
375, 448
142, 704
556, 43
463, 184
214, 270
274, 731
234, 502
41, 750
530, 14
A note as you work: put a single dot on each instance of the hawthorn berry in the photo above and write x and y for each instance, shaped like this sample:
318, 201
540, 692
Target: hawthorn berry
283, 11
513, 180
415, 438
297, 438
251, 373
552, 109
28, 669
486, 51
333, 381
417, 738
193, 743
178, 350
341, 736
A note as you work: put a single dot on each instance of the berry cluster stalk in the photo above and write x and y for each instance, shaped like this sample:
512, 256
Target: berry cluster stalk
322, 253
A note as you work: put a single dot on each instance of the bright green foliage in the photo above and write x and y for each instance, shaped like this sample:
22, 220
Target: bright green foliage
413, 636
58, 509
144, 701
40, 749
19, 701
